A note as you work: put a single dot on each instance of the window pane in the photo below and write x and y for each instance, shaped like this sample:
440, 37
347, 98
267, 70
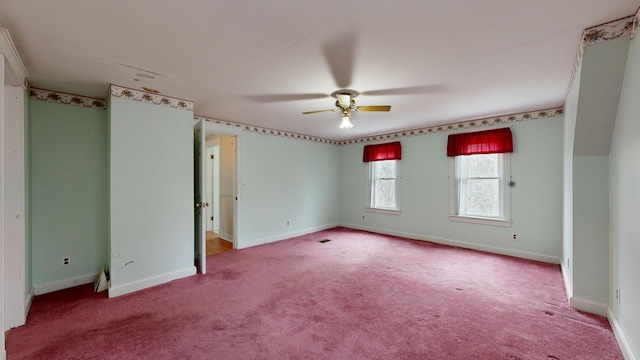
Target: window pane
482, 197
482, 165
385, 169
385, 195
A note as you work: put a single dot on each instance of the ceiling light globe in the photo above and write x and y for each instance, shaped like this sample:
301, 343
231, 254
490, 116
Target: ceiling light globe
346, 123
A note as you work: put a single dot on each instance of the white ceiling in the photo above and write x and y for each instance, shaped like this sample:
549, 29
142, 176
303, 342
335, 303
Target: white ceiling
263, 63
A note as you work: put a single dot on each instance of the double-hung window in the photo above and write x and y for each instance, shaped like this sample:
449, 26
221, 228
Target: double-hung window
479, 177
383, 162
384, 184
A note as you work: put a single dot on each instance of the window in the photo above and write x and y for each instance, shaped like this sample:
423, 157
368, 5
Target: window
480, 189
384, 184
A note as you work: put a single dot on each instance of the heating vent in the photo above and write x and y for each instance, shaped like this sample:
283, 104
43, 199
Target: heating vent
325, 240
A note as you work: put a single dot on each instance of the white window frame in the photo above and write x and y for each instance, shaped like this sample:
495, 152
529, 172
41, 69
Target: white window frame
371, 188
505, 196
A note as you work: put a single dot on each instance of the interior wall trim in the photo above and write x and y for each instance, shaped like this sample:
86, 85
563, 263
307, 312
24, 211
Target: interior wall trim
66, 99
496, 120
608, 31
15, 71
149, 98
266, 131
615, 29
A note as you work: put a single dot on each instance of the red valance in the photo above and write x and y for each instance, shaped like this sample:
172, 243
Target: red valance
379, 152
480, 142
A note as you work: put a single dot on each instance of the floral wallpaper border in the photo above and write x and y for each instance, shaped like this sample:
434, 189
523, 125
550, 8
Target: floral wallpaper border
266, 131
609, 31
67, 99
496, 120
506, 119
626, 26
150, 98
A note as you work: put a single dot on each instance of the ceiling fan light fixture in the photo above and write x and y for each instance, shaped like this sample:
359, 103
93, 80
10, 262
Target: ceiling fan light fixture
346, 122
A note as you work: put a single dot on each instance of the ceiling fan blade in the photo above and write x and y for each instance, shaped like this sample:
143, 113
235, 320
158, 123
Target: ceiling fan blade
318, 111
373, 108
283, 97
426, 89
340, 55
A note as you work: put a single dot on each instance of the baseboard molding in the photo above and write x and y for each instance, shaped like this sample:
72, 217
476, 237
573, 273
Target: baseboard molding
589, 306
461, 244
138, 285
284, 236
64, 284
28, 301
627, 352
226, 237
568, 285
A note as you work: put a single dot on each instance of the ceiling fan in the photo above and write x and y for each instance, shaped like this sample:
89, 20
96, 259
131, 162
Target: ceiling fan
345, 104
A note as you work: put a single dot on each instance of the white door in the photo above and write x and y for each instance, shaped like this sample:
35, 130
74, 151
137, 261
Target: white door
199, 197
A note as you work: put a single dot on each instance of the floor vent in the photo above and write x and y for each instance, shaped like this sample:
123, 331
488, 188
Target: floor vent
324, 241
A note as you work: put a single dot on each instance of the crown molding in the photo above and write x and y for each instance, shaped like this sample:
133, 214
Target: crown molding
67, 99
497, 120
149, 98
16, 71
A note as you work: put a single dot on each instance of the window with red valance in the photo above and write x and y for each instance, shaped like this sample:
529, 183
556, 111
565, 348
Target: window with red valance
379, 152
480, 142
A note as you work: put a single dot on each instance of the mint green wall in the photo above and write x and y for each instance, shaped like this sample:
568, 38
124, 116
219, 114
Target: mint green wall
591, 228
286, 180
151, 194
536, 201
27, 196
625, 203
68, 149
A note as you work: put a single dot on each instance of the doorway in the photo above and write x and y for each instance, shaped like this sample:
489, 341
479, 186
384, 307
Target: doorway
220, 192
228, 174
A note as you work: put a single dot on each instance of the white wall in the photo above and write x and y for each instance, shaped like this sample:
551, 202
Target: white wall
536, 166
227, 186
286, 180
570, 117
13, 267
151, 195
625, 204
3, 353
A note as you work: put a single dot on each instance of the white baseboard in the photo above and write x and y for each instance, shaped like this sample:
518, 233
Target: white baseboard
589, 306
138, 285
284, 236
226, 237
568, 285
620, 337
28, 301
64, 284
461, 244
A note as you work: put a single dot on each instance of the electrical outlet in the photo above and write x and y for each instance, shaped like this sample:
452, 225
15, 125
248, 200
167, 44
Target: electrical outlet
66, 261
514, 237
618, 294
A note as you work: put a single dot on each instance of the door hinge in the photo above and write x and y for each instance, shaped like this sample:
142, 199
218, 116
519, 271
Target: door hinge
211, 156
212, 218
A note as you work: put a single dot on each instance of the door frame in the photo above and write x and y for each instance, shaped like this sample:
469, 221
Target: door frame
224, 130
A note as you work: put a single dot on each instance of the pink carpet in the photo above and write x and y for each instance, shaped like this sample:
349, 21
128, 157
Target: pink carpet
359, 296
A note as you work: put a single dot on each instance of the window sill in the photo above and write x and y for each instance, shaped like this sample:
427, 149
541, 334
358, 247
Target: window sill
481, 221
383, 211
